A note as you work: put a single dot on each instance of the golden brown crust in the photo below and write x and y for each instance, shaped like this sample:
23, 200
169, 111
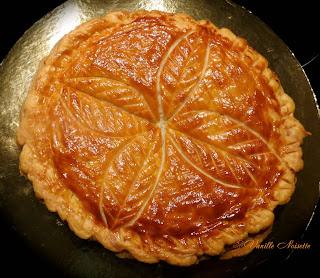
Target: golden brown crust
55, 124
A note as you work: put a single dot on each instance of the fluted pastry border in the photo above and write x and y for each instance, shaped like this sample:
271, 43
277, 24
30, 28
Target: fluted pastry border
69, 207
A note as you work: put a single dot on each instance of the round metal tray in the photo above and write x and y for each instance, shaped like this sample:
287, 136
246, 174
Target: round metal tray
51, 239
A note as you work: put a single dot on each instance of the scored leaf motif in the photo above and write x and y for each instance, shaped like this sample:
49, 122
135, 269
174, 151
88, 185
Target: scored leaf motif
115, 92
100, 116
224, 147
219, 165
181, 70
130, 178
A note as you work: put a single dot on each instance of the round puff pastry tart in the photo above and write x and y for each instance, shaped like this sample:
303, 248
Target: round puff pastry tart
159, 136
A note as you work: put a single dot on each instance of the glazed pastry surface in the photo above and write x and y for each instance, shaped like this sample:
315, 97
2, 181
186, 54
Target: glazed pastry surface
160, 136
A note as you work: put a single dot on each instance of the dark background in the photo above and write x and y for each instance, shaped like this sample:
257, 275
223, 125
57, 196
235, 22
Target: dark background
295, 22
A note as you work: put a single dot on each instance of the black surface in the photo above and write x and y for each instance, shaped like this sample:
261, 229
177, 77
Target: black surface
295, 22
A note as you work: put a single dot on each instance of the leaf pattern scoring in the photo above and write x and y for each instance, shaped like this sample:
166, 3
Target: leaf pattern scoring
191, 118
139, 158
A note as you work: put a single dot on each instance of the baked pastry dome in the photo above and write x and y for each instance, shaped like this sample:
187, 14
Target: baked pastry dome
160, 136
